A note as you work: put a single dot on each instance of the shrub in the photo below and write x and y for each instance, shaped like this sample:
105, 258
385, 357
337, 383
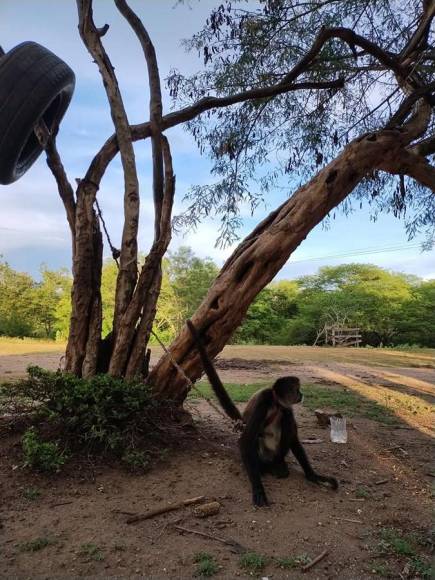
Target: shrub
101, 414
40, 455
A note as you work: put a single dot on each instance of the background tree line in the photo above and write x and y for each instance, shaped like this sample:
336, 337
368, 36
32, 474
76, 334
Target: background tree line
390, 308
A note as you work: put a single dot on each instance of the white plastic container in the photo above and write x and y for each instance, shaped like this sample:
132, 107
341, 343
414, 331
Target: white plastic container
338, 429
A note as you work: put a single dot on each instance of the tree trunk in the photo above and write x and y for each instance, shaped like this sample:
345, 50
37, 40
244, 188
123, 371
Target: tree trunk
87, 257
262, 254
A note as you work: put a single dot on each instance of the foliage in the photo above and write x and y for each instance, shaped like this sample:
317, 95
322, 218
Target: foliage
100, 414
91, 552
390, 308
360, 295
253, 562
268, 318
190, 277
40, 455
28, 307
206, 565
36, 544
259, 146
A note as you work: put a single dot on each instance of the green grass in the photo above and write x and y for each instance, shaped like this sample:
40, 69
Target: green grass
393, 542
31, 493
206, 565
91, 552
36, 544
292, 562
18, 346
252, 562
381, 569
315, 396
362, 492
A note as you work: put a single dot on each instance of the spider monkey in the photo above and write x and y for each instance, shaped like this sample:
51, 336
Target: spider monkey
269, 431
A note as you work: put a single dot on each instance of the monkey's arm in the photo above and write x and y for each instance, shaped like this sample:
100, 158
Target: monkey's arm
223, 397
249, 447
299, 452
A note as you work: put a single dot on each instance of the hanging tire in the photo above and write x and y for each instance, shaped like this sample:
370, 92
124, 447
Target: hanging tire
34, 84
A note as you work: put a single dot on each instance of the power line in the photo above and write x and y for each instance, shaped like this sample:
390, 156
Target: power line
360, 252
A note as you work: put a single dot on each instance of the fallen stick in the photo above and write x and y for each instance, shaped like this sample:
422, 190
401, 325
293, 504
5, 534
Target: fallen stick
165, 509
348, 520
237, 547
381, 481
315, 561
311, 441
60, 503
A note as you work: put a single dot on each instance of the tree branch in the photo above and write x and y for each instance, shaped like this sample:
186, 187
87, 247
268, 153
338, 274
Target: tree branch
156, 107
409, 163
143, 130
54, 162
126, 281
420, 35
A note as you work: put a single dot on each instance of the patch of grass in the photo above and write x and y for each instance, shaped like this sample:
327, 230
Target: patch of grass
253, 562
91, 552
344, 401
292, 561
381, 569
36, 544
206, 565
17, 346
31, 493
41, 455
136, 460
240, 393
392, 541
362, 492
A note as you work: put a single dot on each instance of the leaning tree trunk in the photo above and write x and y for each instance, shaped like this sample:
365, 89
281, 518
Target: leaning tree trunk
263, 253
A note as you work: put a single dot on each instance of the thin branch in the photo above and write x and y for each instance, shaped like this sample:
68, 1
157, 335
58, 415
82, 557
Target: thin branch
156, 108
54, 162
420, 35
143, 131
126, 281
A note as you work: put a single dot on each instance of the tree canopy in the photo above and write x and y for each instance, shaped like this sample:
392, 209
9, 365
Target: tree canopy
362, 49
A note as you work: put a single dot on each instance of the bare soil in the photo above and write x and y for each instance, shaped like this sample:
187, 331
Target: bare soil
385, 475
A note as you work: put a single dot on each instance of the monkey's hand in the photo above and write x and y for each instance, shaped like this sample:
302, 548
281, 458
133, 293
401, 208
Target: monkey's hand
316, 478
259, 497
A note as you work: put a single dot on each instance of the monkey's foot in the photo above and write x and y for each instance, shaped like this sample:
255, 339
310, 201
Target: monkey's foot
259, 498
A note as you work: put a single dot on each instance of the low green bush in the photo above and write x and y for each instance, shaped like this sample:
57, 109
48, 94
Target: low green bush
100, 415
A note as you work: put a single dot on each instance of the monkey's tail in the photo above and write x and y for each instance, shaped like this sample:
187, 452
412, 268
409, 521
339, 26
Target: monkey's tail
223, 397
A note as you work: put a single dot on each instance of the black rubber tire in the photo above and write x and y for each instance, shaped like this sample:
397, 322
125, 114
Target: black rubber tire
34, 84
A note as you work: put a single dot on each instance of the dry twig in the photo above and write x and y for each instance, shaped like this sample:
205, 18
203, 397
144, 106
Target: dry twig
164, 509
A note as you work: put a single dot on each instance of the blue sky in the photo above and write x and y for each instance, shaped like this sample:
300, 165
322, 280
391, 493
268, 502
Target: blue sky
33, 228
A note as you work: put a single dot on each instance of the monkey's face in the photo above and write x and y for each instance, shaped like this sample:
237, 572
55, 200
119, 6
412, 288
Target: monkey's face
287, 391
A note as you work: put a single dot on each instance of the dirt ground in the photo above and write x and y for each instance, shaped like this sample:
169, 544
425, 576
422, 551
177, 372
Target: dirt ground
75, 523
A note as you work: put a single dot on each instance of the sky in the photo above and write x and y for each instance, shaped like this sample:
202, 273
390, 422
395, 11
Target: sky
33, 228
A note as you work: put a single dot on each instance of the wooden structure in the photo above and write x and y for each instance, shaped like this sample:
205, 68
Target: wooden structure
336, 335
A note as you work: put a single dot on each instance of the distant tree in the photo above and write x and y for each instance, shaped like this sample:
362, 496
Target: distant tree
416, 320
268, 317
190, 278
365, 295
16, 304
54, 287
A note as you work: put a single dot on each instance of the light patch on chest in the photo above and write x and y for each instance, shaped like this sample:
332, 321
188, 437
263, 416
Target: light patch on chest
269, 440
